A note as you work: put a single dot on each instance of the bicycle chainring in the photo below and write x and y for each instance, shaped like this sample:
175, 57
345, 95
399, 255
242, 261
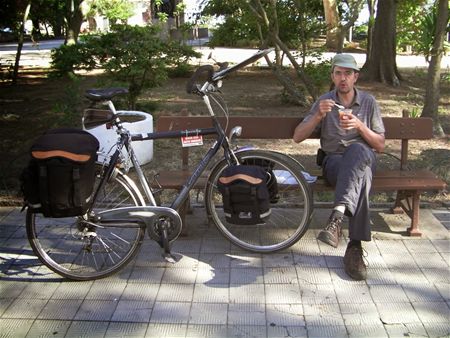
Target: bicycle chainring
155, 230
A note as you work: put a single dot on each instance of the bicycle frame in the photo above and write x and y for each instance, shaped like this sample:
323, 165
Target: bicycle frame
126, 139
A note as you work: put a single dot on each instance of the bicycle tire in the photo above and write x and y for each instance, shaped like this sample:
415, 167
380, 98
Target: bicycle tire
290, 216
78, 250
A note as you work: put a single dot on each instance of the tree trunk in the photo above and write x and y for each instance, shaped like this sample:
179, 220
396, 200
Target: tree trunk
20, 43
381, 65
272, 38
340, 39
370, 25
332, 22
74, 18
432, 93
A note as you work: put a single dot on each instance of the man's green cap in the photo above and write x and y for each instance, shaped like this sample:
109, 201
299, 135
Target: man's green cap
344, 61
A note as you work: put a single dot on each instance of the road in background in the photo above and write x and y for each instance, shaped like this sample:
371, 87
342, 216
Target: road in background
39, 55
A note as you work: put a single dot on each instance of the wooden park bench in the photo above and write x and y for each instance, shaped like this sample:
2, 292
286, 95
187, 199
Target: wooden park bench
409, 184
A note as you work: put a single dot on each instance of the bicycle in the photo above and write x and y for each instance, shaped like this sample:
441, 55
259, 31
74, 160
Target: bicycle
108, 236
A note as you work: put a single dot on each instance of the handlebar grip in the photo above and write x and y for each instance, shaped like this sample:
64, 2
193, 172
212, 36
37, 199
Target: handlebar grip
192, 86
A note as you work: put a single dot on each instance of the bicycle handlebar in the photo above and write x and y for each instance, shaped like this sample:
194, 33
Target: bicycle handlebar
212, 77
223, 73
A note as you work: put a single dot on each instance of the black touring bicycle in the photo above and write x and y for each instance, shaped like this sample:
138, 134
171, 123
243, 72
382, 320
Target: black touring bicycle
86, 220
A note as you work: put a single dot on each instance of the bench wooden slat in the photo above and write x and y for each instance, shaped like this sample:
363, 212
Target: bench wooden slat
274, 127
383, 181
175, 179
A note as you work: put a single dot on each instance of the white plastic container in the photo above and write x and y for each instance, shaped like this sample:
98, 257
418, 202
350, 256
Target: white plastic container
142, 123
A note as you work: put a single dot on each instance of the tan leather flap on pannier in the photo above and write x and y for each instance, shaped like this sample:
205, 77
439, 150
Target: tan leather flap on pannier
42, 155
247, 178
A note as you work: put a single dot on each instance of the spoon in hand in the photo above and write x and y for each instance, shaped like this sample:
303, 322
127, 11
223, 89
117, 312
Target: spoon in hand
339, 106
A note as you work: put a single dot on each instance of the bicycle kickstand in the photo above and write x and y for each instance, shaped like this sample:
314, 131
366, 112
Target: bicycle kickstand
165, 244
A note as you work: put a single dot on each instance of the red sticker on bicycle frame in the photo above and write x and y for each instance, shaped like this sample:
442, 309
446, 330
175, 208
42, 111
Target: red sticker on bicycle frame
192, 141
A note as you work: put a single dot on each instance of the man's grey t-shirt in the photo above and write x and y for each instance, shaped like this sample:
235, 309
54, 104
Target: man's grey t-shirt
334, 139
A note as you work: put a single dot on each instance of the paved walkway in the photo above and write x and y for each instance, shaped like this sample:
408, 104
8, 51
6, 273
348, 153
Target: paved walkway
217, 290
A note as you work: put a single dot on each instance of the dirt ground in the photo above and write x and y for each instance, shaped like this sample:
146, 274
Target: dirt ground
38, 103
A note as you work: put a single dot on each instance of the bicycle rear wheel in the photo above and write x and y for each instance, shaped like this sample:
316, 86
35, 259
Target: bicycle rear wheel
79, 248
290, 213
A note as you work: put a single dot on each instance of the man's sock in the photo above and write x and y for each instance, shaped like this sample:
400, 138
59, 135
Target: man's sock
340, 208
338, 211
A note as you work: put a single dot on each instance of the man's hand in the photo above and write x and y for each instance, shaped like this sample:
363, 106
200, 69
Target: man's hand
350, 121
325, 106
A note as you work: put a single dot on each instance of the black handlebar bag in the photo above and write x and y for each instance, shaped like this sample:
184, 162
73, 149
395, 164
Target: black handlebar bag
246, 198
59, 179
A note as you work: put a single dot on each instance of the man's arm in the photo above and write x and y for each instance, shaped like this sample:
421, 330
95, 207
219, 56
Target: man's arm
305, 128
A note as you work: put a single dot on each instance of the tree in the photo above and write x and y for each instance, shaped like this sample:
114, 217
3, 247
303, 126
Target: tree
49, 14
370, 25
266, 14
339, 20
26, 11
430, 108
73, 18
381, 65
286, 25
332, 20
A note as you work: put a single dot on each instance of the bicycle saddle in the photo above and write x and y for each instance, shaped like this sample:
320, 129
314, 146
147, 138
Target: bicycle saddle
104, 94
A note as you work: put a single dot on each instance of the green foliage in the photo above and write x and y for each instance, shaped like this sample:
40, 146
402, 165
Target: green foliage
415, 112
114, 10
50, 14
180, 70
408, 23
233, 30
416, 25
130, 54
68, 58
299, 21
360, 32
319, 74
445, 77
426, 37
68, 110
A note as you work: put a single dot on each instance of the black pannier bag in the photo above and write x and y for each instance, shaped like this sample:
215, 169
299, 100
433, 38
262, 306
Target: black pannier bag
246, 199
272, 184
59, 179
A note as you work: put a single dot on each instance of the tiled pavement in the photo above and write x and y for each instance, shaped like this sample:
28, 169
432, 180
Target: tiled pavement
217, 290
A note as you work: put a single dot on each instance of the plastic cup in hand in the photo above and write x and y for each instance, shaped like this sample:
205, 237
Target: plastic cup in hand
343, 115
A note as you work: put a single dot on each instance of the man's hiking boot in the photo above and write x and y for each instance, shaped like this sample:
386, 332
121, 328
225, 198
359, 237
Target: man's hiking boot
354, 263
333, 231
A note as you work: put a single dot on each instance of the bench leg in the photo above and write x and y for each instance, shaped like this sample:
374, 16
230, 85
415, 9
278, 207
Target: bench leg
409, 202
398, 208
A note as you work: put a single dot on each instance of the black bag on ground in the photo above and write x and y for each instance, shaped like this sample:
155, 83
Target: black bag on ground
272, 184
59, 179
246, 199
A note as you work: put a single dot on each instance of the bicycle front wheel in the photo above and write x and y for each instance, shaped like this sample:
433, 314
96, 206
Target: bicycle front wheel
78, 248
290, 211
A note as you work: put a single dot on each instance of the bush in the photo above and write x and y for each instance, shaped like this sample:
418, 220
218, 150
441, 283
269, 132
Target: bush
133, 55
319, 74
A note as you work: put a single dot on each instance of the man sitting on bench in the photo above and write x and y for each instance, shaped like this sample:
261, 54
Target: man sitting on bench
351, 128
